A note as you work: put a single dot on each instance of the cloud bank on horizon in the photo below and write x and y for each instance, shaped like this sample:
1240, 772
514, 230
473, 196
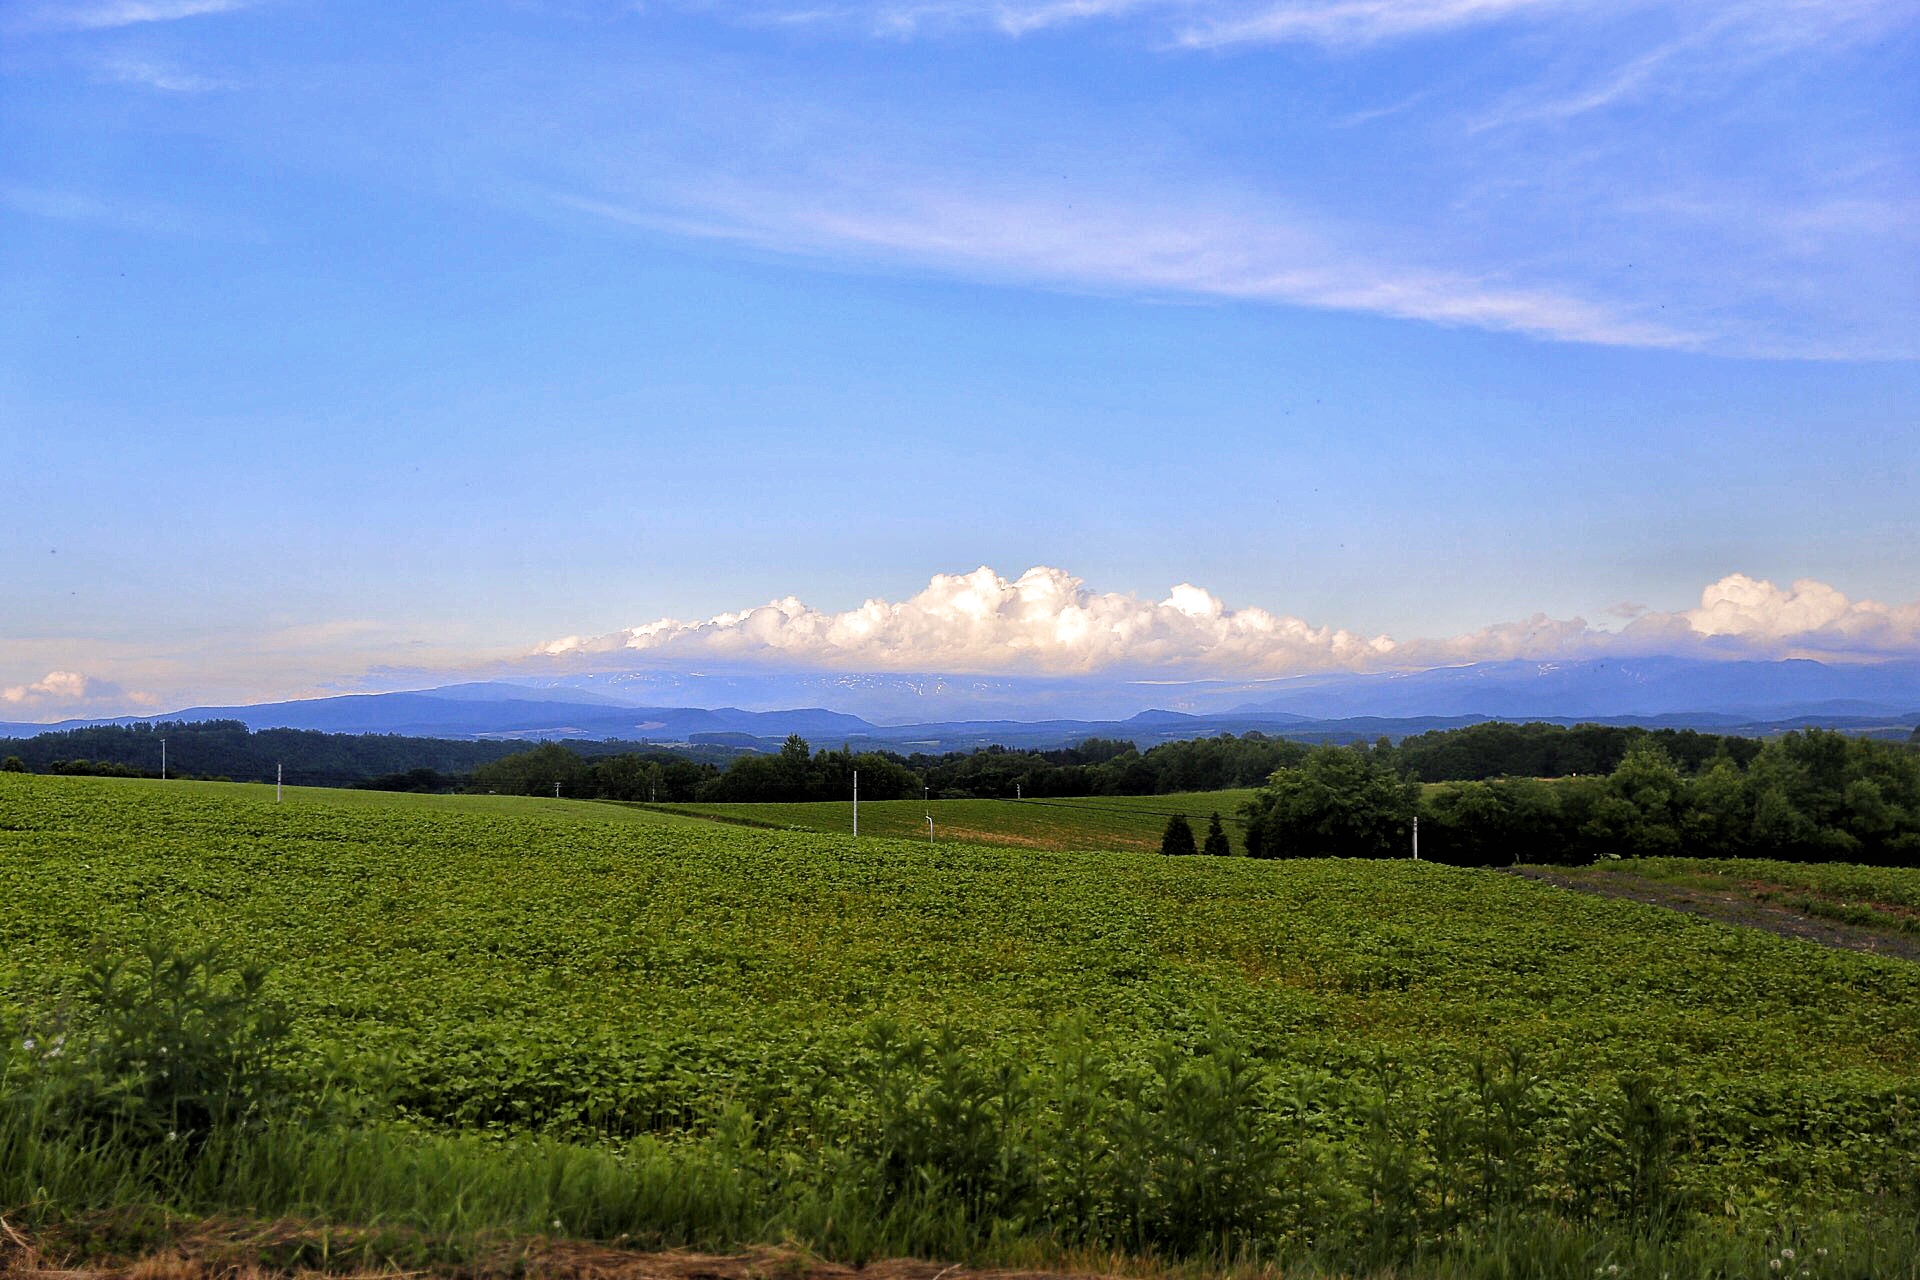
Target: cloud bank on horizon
1048, 621
1045, 622
71, 691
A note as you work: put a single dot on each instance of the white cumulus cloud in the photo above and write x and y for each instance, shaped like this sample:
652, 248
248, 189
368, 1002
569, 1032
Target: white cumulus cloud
1047, 620
62, 691
1808, 615
1044, 620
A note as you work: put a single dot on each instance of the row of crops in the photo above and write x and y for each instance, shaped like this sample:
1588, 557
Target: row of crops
1102, 1049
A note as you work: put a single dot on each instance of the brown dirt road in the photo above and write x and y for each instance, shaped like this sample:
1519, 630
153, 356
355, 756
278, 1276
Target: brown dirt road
571, 1263
1726, 906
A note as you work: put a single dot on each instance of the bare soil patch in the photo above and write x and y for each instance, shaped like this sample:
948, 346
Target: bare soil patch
297, 1251
1735, 906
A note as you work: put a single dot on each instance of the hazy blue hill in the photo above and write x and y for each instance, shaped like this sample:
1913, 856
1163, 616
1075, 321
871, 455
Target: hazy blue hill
1607, 688
1589, 688
1750, 697
429, 714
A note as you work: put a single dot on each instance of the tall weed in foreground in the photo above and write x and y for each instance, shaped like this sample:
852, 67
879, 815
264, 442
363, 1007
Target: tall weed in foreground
167, 1047
946, 1123
1651, 1129
1195, 1159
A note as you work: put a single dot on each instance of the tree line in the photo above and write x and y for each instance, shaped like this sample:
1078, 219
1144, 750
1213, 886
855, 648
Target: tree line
1495, 792
795, 772
1494, 749
1811, 796
227, 749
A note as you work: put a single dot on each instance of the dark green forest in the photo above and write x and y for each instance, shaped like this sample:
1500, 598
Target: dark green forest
1809, 796
1095, 767
227, 749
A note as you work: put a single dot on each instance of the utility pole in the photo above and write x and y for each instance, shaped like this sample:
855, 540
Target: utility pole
929, 828
1416, 837
163, 759
856, 804
279, 782
1016, 792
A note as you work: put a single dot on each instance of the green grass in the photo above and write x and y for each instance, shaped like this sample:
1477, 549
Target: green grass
319, 1200
1089, 822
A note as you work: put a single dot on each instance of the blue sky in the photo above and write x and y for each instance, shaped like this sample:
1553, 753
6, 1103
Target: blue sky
340, 336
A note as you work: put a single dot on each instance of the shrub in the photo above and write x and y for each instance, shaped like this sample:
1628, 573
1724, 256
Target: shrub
1340, 802
171, 1044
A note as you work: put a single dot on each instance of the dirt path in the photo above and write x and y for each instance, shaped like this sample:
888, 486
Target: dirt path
217, 1250
574, 1263
1726, 906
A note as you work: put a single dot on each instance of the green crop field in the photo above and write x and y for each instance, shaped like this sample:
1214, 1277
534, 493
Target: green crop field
1078, 822
620, 941
594, 972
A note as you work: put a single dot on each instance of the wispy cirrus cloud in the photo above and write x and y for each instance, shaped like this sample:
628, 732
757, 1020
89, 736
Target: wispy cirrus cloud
1766, 25
1349, 22
1195, 23
122, 213
151, 73
1048, 621
1568, 189
1703, 50
101, 15
1189, 250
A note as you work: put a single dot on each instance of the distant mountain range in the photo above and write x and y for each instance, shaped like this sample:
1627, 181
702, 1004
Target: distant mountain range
1598, 687
943, 713
1612, 688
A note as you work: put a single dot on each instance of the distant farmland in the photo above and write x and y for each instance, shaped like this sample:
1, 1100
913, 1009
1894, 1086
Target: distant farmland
1089, 822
